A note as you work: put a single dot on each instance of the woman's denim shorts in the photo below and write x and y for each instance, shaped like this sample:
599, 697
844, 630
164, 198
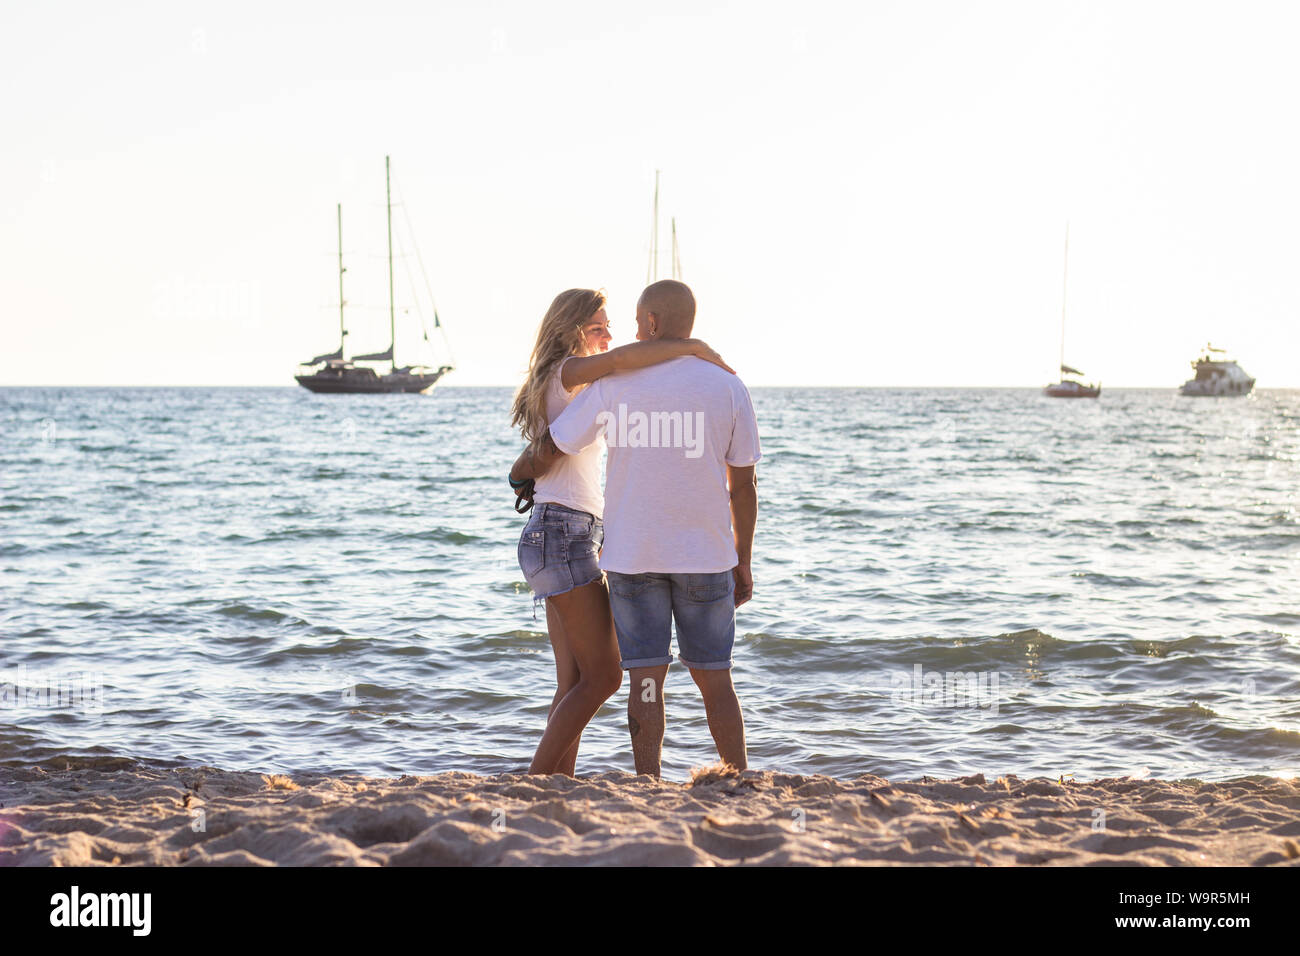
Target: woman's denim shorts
558, 550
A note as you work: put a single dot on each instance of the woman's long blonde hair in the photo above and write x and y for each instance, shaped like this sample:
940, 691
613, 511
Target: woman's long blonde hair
560, 335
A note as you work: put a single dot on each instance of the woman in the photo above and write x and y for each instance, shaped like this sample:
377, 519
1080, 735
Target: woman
559, 547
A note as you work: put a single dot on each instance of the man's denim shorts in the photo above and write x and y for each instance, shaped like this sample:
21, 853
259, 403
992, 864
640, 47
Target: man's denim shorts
645, 606
558, 550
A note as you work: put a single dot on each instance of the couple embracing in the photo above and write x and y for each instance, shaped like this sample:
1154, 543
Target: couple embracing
672, 534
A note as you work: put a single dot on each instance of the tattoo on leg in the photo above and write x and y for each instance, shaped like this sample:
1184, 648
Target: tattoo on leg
633, 725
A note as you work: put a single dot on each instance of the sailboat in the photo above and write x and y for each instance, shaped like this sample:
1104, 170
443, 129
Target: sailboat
1067, 387
336, 373
652, 267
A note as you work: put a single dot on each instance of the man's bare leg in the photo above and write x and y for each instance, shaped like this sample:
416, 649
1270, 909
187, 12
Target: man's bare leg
645, 717
722, 708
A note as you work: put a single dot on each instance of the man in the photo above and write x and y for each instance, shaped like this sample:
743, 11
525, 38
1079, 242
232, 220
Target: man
680, 509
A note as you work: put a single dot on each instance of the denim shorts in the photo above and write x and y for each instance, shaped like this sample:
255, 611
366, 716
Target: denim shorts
558, 550
645, 606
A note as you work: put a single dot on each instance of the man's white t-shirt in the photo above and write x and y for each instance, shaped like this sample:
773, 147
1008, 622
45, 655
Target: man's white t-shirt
574, 480
671, 430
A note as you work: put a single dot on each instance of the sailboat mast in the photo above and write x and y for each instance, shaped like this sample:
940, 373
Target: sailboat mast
343, 332
654, 237
392, 312
677, 264
1065, 284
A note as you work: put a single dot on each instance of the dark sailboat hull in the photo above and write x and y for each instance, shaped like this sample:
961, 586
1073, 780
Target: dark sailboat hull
1072, 390
332, 383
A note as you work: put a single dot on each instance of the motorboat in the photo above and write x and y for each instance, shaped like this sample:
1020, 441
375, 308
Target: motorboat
1216, 376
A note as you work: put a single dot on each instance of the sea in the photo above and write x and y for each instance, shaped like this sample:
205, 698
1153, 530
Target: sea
946, 582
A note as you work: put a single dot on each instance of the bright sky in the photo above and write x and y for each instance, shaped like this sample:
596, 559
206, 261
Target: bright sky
872, 193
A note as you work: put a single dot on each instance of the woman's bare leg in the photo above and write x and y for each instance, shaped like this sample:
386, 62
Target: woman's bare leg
588, 628
566, 675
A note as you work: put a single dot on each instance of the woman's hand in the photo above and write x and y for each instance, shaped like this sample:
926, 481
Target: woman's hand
700, 349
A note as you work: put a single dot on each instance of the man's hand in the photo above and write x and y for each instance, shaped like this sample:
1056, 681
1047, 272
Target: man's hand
744, 583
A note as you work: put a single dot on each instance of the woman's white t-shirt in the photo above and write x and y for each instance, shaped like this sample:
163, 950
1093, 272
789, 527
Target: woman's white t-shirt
574, 480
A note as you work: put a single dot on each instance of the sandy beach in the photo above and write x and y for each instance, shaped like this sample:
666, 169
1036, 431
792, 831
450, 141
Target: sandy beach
119, 813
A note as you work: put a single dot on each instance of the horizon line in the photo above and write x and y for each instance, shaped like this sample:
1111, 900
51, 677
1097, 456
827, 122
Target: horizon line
1154, 388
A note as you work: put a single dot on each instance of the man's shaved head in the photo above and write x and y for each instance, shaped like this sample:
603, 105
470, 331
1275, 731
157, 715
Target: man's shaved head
673, 307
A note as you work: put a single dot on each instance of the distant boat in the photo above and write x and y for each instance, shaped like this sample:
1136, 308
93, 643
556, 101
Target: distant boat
1067, 387
338, 374
1217, 376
